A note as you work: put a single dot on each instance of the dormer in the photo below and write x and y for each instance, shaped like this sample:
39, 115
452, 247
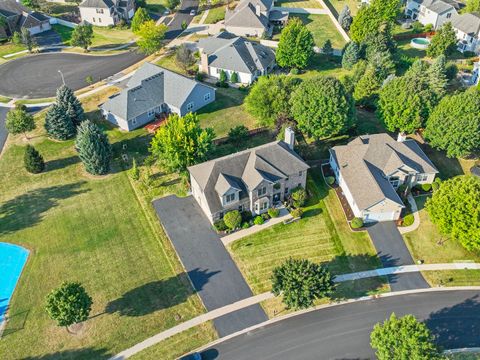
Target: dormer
227, 189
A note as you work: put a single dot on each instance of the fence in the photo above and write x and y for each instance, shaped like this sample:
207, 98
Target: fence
251, 133
54, 20
411, 36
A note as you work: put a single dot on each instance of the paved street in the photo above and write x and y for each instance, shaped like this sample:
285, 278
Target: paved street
392, 251
175, 27
343, 332
212, 271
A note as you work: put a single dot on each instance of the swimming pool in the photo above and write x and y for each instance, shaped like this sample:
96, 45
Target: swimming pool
12, 261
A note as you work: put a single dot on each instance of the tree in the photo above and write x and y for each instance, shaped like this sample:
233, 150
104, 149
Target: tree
69, 304
300, 282
17, 38
443, 42
268, 99
351, 55
455, 209
184, 25
19, 121
345, 18
295, 47
473, 6
93, 148
151, 36
403, 338
299, 196
27, 39
223, 76
234, 78
172, 4
367, 88
134, 171
58, 124
184, 57
32, 160
140, 17
327, 48
82, 36
66, 99
438, 75
238, 134
322, 107
89, 79
181, 142
233, 219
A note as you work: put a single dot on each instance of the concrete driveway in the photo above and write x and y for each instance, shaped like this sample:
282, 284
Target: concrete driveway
212, 271
48, 38
392, 251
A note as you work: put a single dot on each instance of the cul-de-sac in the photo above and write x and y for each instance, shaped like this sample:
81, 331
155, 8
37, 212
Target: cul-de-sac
240, 179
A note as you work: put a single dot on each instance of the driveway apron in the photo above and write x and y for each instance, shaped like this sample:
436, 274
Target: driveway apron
392, 251
212, 271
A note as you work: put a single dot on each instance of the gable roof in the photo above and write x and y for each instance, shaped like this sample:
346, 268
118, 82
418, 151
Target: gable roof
366, 161
10, 8
244, 15
437, 6
149, 87
227, 51
467, 23
245, 170
99, 4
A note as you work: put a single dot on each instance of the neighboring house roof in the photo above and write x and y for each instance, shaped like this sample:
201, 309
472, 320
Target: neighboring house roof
227, 51
244, 15
32, 19
366, 161
150, 87
437, 6
19, 16
245, 170
475, 170
10, 8
99, 4
467, 23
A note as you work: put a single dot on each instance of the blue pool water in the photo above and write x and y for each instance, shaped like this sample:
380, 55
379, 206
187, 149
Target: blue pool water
12, 261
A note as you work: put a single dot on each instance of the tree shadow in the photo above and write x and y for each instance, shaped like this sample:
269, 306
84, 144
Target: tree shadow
457, 326
80, 354
26, 210
158, 295
16, 322
61, 163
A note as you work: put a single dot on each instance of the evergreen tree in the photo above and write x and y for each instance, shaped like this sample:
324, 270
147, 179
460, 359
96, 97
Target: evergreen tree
93, 148
67, 100
345, 18
438, 75
234, 78
58, 123
32, 160
351, 55
223, 76
366, 89
27, 39
327, 48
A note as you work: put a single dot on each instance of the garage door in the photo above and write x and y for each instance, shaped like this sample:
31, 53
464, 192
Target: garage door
386, 216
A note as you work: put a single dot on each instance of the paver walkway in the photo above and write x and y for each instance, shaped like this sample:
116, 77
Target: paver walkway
416, 216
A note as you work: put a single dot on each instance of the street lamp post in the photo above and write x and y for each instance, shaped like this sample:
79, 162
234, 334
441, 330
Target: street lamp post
61, 74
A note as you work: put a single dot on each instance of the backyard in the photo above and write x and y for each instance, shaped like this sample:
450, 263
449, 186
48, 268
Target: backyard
322, 29
306, 4
156, 6
340, 4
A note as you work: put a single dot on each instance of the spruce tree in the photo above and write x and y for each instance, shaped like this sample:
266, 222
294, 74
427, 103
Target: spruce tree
67, 99
93, 148
58, 123
327, 48
351, 55
33, 161
438, 75
345, 18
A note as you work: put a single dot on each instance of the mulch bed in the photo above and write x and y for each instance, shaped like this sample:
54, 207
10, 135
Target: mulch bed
328, 171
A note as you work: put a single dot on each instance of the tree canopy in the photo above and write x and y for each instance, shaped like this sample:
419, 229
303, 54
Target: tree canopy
151, 36
82, 36
93, 148
66, 99
455, 209
403, 338
58, 124
443, 42
140, 17
181, 142
300, 282
351, 55
19, 121
473, 6
322, 107
295, 47
345, 18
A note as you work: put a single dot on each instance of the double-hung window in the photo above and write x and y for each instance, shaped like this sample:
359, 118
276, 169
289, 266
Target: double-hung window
206, 97
229, 198
262, 191
422, 177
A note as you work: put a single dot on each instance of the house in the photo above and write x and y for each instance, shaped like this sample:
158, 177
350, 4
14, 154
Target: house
251, 180
106, 12
252, 18
467, 29
434, 12
230, 53
151, 91
370, 168
16, 16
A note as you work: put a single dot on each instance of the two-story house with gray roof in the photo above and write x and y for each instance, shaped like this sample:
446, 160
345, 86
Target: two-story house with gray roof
467, 30
106, 12
153, 90
370, 168
230, 53
250, 180
434, 12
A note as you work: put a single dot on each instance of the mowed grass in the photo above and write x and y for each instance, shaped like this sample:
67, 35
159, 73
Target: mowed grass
215, 15
10, 48
340, 4
322, 235
156, 6
99, 231
102, 36
307, 4
322, 29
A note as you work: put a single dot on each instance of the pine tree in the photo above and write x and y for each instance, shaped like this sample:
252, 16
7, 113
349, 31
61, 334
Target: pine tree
351, 55
438, 75
234, 78
58, 124
33, 161
345, 18
67, 100
93, 148
366, 89
327, 48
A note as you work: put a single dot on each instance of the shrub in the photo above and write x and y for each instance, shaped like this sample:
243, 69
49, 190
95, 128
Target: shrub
134, 171
258, 220
451, 71
426, 187
233, 219
299, 196
243, 88
417, 27
435, 186
238, 133
234, 78
356, 223
223, 76
402, 188
273, 212
330, 180
296, 213
294, 71
469, 54
200, 76
221, 84
265, 216
220, 225
245, 225
246, 215
428, 28
408, 220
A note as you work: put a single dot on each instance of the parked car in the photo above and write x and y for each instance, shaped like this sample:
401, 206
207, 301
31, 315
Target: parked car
192, 12
192, 356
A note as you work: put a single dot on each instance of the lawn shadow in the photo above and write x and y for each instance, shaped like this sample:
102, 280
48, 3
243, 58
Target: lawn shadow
15, 322
27, 210
86, 354
57, 164
158, 295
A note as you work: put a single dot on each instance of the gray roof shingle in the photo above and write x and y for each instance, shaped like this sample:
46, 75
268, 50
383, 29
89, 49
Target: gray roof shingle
467, 23
244, 15
437, 6
99, 4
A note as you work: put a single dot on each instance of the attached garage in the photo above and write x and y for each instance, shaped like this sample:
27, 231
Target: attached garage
376, 217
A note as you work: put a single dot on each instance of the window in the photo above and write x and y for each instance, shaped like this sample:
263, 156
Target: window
93, 19
300, 173
99, 11
151, 112
395, 181
449, 15
422, 177
262, 191
206, 97
99, 20
286, 190
190, 106
229, 198
218, 71
264, 206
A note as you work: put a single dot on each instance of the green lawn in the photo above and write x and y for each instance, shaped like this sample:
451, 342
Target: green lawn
322, 235
102, 36
100, 231
168, 62
10, 48
215, 15
322, 29
340, 4
324, 66
157, 6
65, 33
306, 4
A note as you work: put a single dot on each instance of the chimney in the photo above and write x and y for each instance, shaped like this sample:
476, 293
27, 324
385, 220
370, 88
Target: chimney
257, 9
204, 62
402, 136
290, 137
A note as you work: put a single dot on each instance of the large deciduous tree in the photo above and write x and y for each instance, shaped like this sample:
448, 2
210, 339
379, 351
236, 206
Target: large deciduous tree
473, 6
66, 99
181, 142
82, 36
141, 16
301, 282
27, 39
322, 107
455, 209
58, 124
93, 148
403, 338
19, 121
454, 125
295, 47
151, 36
269, 98
443, 42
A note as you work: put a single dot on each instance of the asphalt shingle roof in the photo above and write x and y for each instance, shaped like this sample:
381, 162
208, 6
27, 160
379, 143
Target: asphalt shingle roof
99, 4
467, 23
244, 15
437, 6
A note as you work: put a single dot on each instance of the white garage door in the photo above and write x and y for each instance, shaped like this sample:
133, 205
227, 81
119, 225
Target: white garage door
386, 216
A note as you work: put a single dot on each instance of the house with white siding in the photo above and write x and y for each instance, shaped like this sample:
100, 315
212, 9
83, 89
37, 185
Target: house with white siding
106, 12
434, 12
467, 30
370, 168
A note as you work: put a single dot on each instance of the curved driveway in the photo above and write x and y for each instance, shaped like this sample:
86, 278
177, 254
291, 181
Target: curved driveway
343, 332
